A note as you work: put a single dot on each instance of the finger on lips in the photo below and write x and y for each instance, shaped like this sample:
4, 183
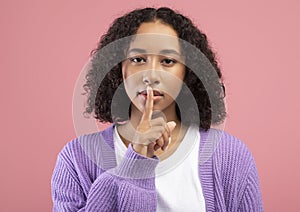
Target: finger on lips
158, 124
149, 104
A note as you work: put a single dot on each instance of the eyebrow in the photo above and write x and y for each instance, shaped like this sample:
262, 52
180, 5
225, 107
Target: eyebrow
164, 51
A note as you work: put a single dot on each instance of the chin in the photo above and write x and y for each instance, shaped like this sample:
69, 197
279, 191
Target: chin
161, 106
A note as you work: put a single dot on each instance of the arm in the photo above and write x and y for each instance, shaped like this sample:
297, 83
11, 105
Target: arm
67, 192
127, 187
252, 198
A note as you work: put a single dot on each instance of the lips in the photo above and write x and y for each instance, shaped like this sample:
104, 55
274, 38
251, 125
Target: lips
155, 93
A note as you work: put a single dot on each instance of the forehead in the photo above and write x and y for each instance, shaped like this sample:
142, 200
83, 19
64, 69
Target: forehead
154, 37
156, 27
154, 43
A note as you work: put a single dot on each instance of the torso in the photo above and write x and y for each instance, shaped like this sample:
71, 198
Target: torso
177, 178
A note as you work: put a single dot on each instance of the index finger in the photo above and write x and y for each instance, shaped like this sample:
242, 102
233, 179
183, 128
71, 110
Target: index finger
149, 105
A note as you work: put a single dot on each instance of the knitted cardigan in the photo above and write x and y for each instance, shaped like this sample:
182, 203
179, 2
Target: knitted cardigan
86, 176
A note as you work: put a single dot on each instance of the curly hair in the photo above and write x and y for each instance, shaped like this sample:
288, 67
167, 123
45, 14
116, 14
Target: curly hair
208, 92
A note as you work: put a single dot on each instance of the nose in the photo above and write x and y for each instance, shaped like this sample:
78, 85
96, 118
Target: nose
152, 76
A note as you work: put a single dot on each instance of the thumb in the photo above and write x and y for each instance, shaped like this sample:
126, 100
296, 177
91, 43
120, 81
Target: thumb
171, 125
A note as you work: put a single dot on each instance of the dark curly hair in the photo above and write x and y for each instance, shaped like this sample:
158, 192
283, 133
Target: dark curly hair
208, 90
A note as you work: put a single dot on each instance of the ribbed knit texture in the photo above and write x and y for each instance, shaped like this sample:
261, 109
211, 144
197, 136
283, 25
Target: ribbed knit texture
86, 176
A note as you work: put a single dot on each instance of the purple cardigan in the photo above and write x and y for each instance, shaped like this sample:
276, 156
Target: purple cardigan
86, 176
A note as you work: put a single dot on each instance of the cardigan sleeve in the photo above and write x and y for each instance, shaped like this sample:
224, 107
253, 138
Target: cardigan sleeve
252, 198
127, 187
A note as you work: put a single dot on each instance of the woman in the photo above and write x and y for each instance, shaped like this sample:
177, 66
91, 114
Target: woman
161, 153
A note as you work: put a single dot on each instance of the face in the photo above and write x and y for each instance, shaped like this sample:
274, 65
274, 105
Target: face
154, 59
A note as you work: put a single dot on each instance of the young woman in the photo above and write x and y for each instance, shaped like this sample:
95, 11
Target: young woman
163, 90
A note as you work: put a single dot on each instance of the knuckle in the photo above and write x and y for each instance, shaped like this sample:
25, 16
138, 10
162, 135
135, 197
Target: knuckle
159, 134
154, 136
161, 129
162, 120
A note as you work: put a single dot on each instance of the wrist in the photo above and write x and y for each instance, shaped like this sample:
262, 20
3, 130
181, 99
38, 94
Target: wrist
140, 149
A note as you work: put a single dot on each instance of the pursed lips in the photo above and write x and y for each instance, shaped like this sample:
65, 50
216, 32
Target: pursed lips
155, 93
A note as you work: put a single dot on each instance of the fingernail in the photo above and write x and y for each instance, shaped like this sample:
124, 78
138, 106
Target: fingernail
171, 125
148, 89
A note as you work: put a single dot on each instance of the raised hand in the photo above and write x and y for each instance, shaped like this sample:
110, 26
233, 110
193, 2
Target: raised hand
151, 134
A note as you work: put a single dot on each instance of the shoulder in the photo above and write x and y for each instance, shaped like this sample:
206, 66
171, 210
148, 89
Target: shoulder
234, 168
88, 145
221, 142
227, 152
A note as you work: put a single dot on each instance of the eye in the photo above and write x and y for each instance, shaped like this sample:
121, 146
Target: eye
137, 60
168, 62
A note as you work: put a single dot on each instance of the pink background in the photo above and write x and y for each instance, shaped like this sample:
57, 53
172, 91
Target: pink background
44, 45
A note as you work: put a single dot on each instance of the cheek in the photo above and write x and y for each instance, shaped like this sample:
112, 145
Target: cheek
178, 76
181, 72
131, 82
172, 84
126, 70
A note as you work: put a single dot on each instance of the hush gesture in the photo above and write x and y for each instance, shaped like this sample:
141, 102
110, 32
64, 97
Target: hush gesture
151, 133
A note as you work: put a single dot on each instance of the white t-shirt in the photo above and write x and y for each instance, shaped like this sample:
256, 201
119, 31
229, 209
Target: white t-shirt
177, 178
